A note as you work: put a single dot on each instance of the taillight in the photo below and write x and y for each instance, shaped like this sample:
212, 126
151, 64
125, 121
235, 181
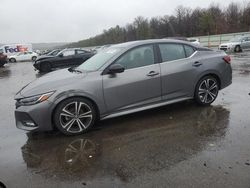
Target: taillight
227, 59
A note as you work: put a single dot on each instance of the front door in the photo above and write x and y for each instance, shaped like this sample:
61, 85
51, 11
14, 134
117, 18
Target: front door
66, 59
138, 85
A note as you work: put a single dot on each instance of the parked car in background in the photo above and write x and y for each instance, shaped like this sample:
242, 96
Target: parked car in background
65, 58
122, 79
194, 41
3, 59
23, 56
236, 44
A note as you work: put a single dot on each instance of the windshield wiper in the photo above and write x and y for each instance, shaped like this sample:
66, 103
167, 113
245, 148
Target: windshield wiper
73, 69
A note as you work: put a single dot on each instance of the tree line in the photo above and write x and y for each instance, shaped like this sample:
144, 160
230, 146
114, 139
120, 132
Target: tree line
185, 22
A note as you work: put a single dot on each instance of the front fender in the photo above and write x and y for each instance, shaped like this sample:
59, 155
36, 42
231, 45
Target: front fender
78, 93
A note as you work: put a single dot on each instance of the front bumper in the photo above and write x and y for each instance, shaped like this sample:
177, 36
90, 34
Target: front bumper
227, 48
34, 117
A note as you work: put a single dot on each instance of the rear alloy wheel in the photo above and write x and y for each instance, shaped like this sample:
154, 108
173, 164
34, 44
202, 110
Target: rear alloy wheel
237, 49
33, 58
206, 90
12, 60
45, 67
75, 116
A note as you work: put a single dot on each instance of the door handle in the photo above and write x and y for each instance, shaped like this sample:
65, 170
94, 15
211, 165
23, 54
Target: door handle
152, 73
197, 64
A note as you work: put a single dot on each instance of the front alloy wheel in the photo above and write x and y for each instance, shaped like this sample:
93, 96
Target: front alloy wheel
206, 90
74, 116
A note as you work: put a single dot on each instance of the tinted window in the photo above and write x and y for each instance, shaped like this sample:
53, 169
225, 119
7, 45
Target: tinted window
68, 52
138, 57
170, 52
80, 52
189, 50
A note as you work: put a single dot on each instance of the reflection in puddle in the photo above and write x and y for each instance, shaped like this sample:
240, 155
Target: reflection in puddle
129, 146
4, 72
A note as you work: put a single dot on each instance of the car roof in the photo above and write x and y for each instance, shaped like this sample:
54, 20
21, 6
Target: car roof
150, 41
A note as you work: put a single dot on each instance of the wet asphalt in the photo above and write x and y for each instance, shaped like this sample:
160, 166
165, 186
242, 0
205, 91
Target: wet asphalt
180, 145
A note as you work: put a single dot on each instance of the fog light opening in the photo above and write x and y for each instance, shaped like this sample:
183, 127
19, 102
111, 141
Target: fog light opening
29, 123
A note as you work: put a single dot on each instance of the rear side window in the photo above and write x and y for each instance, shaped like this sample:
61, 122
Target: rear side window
80, 52
189, 50
69, 52
170, 52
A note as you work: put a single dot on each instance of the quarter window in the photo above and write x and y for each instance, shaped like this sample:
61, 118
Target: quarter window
138, 57
189, 50
170, 52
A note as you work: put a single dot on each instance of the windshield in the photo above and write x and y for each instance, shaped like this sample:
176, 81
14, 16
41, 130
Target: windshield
98, 60
236, 39
54, 52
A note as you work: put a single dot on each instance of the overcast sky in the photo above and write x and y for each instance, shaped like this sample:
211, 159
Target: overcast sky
73, 20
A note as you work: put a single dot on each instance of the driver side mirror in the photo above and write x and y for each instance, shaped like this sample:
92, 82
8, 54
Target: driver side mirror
60, 55
116, 68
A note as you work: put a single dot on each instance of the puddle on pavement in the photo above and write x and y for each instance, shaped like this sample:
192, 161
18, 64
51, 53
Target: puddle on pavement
4, 72
128, 146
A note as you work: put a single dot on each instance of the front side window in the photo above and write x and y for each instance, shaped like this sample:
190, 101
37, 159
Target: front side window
68, 52
138, 57
80, 52
170, 52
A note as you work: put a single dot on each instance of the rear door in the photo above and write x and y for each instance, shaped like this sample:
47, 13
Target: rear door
138, 85
179, 70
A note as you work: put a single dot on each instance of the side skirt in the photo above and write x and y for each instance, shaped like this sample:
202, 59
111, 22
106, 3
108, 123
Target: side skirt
130, 111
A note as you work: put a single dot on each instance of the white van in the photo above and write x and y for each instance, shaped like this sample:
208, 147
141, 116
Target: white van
12, 49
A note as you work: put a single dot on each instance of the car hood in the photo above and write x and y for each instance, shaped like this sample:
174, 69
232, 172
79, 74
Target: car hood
230, 44
44, 57
49, 82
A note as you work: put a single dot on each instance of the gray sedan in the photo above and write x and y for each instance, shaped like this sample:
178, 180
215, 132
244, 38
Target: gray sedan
122, 79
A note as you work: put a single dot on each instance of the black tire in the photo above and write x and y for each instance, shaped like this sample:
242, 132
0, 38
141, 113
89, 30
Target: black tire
33, 58
237, 49
206, 90
12, 60
1, 64
69, 122
45, 67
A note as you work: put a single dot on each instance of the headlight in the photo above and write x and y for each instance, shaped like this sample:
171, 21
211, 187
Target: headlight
34, 99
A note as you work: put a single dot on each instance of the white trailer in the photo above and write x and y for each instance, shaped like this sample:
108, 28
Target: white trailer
11, 49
